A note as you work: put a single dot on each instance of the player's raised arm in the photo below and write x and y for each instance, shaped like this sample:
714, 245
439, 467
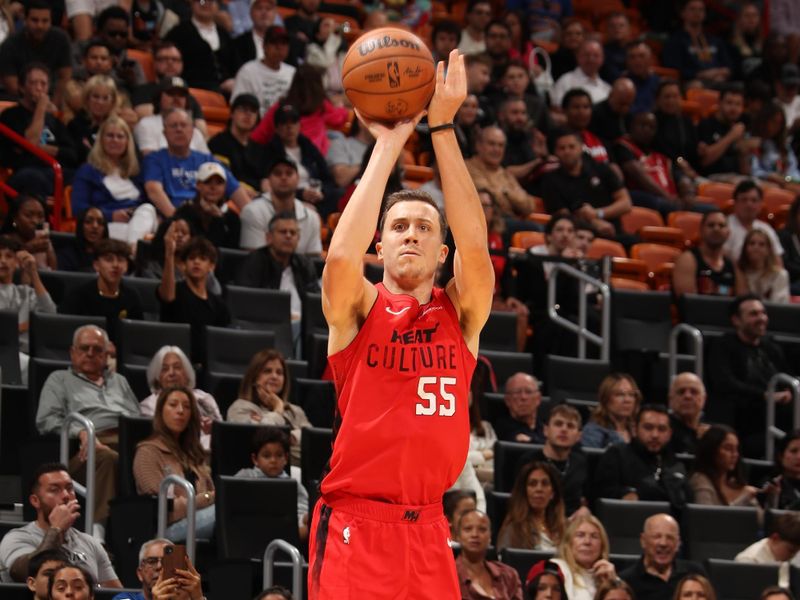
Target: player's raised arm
346, 294
473, 285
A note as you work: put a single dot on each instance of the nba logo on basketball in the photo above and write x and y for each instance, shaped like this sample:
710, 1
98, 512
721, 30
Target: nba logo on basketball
394, 74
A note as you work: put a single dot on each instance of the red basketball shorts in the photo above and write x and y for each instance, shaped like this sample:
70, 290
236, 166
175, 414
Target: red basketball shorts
360, 549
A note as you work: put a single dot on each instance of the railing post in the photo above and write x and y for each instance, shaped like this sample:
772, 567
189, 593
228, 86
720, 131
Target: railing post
581, 330
697, 343
297, 565
773, 432
88, 490
191, 510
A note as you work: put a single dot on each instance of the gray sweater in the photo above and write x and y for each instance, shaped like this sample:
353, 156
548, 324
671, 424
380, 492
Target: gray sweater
24, 300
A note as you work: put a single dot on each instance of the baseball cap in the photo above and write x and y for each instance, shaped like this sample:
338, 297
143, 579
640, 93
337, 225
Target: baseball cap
286, 113
276, 34
173, 83
281, 160
208, 169
246, 100
542, 567
790, 74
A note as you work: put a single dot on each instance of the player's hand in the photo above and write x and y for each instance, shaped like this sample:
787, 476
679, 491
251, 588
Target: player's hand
395, 134
189, 581
603, 571
27, 262
450, 91
166, 589
170, 243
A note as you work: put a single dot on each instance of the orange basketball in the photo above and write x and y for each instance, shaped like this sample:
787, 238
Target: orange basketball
389, 74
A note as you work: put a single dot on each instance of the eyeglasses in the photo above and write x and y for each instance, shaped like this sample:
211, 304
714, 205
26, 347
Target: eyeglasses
152, 561
87, 348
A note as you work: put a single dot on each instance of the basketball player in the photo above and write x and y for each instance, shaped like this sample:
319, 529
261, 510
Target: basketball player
402, 353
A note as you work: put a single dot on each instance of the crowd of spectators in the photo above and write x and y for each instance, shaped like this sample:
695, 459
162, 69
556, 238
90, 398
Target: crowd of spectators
576, 118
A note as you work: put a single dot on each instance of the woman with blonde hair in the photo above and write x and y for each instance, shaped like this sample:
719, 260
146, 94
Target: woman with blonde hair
613, 420
99, 100
264, 398
694, 587
110, 180
535, 517
582, 557
174, 448
759, 264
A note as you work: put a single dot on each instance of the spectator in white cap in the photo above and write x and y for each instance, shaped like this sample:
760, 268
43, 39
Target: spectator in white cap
207, 214
149, 131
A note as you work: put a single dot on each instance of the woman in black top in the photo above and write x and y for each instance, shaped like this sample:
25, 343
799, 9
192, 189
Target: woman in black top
78, 254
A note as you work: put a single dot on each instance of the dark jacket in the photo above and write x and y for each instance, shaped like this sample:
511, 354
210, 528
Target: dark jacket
243, 49
650, 587
625, 468
202, 67
260, 269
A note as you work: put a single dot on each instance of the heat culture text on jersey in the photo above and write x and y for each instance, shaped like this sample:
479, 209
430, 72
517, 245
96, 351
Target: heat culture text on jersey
412, 350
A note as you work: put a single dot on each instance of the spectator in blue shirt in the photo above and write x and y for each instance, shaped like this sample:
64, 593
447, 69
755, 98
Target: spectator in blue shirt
170, 174
150, 565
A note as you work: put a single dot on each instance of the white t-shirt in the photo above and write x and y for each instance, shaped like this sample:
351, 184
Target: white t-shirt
149, 136
288, 285
209, 33
469, 45
255, 219
595, 87
733, 247
761, 554
268, 85
791, 110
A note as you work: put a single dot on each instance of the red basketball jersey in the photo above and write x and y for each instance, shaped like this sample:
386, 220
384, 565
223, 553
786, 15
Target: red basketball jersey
403, 429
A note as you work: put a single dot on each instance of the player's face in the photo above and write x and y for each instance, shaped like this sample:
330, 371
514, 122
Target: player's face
583, 239
271, 459
177, 412
548, 588
198, 267
562, 432
586, 545
111, 268
444, 43
563, 235
653, 431
475, 533
172, 372
687, 396
747, 205
579, 112
539, 490
69, 583
98, 61
516, 80
622, 403
411, 241
715, 230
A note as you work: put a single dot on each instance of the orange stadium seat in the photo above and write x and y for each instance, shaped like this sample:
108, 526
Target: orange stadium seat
688, 222
654, 255
774, 198
639, 217
602, 247
527, 239
540, 218
716, 190
669, 236
145, 59
621, 283
629, 268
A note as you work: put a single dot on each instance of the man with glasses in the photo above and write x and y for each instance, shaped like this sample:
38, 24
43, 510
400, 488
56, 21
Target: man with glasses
168, 63
90, 389
523, 400
53, 496
149, 569
112, 28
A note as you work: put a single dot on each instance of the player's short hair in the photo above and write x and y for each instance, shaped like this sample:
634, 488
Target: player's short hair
277, 590
567, 412
480, 57
706, 215
446, 26
572, 94
269, 435
551, 224
733, 89
745, 186
31, 67
114, 247
87, 577
651, 408
37, 5
38, 559
736, 304
412, 196
451, 499
787, 527
9, 243
281, 216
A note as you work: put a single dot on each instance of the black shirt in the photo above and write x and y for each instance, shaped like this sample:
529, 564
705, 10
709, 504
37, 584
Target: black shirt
192, 309
710, 131
684, 438
711, 282
221, 231
650, 587
202, 66
261, 269
606, 124
18, 50
83, 134
54, 133
676, 136
595, 185
247, 163
86, 300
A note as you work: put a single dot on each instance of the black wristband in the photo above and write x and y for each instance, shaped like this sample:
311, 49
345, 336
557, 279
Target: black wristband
442, 127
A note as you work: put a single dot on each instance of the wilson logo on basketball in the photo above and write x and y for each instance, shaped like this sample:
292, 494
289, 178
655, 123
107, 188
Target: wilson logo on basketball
385, 42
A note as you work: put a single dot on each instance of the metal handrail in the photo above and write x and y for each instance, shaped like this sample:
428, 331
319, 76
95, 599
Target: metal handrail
773, 432
88, 490
191, 510
697, 342
58, 173
604, 339
297, 565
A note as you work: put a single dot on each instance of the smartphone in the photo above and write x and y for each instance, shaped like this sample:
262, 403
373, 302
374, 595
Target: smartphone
43, 229
174, 558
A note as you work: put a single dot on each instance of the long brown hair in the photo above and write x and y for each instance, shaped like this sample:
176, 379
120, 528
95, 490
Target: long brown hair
519, 518
770, 264
307, 92
186, 448
247, 390
708, 589
604, 393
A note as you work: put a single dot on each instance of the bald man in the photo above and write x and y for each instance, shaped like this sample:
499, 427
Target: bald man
609, 116
687, 397
657, 573
586, 75
523, 400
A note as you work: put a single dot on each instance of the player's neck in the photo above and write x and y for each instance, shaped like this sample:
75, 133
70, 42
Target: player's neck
421, 292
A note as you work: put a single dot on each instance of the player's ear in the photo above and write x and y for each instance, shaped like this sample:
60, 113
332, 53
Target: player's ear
253, 457
379, 249
444, 250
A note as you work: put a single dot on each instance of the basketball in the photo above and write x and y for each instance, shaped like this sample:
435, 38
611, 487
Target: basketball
389, 74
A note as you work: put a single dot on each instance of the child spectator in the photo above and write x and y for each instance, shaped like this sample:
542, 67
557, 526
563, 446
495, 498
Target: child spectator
270, 455
190, 301
25, 297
